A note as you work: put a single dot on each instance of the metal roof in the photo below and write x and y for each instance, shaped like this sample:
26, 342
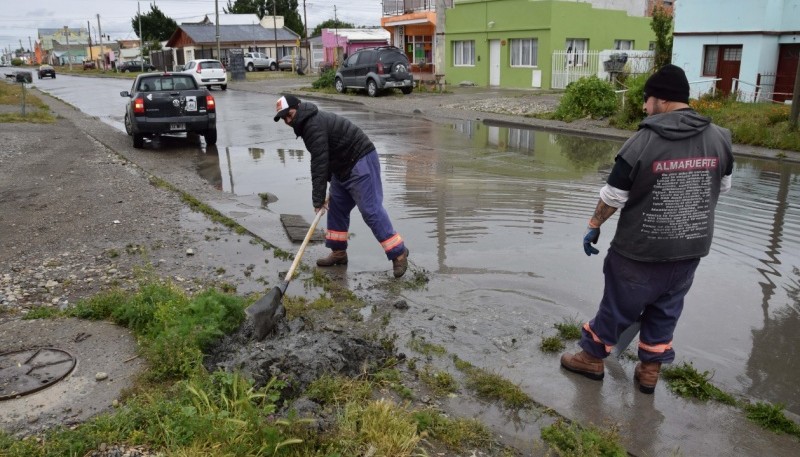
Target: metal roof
203, 34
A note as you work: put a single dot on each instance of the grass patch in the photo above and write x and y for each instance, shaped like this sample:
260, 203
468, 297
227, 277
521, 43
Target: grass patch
440, 382
771, 417
457, 434
552, 344
418, 344
490, 386
687, 382
572, 440
569, 330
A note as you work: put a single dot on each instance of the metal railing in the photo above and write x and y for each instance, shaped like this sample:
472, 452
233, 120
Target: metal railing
756, 93
400, 7
701, 87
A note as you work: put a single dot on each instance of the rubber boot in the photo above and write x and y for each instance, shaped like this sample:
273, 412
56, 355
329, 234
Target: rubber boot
400, 264
585, 364
646, 374
334, 258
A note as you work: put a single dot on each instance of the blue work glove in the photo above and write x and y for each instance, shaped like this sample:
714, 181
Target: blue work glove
591, 237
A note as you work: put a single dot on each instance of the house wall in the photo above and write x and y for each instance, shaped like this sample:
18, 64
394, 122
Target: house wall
550, 22
759, 26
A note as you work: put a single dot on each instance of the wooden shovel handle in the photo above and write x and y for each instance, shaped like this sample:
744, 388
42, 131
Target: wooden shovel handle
302, 249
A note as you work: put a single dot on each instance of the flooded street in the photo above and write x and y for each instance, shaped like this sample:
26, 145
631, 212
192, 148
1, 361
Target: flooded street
496, 216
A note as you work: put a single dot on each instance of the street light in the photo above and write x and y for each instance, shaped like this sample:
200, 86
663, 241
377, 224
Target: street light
69, 58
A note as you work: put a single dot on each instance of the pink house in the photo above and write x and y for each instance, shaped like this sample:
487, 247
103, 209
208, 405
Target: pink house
340, 42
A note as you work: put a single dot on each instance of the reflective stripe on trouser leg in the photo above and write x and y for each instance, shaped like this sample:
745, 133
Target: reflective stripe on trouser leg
366, 189
631, 288
339, 208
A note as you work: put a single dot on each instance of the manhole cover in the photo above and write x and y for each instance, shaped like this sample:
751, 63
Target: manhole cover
30, 370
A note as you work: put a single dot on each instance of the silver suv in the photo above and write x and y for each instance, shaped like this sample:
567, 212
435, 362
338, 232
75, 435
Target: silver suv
207, 73
259, 61
375, 69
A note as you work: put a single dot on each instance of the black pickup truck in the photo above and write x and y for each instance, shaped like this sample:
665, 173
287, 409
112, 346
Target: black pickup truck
169, 103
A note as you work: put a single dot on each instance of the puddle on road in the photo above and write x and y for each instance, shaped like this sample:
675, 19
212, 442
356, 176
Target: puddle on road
496, 214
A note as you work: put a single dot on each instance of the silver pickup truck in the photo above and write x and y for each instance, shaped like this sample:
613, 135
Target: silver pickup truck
259, 61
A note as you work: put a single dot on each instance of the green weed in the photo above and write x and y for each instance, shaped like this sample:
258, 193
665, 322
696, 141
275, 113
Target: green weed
490, 386
686, 381
440, 382
771, 417
457, 434
572, 440
418, 344
552, 344
569, 330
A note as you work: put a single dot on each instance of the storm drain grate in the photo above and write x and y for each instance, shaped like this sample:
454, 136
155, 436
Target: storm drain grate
30, 370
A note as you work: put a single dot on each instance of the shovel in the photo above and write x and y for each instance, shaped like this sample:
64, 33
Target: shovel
626, 337
268, 310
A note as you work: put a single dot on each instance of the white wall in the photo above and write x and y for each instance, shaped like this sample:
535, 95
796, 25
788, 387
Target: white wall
737, 15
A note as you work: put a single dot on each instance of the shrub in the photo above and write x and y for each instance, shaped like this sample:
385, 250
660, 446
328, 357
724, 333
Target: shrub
326, 79
16, 62
634, 99
587, 97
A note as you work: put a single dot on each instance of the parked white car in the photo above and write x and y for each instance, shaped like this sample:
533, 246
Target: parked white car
259, 61
207, 73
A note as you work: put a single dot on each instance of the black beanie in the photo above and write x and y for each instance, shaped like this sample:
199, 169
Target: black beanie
669, 83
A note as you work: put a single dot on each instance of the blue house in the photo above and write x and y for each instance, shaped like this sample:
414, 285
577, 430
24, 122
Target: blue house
750, 47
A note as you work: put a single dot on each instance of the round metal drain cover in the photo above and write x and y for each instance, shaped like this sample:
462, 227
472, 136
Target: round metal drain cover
30, 370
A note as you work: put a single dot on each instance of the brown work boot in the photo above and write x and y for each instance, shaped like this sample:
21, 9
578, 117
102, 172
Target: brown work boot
646, 374
400, 264
585, 364
334, 258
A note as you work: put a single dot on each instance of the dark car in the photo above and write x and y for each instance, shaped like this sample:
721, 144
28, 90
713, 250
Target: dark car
47, 71
375, 69
288, 62
135, 65
169, 103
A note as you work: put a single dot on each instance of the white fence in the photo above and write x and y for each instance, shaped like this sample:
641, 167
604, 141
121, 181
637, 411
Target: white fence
572, 66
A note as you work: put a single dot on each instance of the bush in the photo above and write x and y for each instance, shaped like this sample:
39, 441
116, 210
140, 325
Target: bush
16, 62
325, 80
632, 113
587, 97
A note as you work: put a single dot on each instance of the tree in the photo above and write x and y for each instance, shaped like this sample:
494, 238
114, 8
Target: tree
156, 26
331, 24
662, 26
261, 8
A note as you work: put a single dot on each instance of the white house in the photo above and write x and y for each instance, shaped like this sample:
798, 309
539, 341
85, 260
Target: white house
747, 46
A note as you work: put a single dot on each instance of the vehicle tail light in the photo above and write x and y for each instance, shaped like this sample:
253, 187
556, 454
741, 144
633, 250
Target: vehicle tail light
380, 68
199, 68
138, 106
211, 105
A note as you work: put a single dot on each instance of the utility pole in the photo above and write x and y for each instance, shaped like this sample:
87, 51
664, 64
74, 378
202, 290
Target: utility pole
30, 46
336, 30
305, 29
102, 53
69, 55
89, 28
216, 9
141, 49
275, 29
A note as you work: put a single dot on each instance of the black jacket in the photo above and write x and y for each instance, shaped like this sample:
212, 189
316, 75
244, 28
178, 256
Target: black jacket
335, 144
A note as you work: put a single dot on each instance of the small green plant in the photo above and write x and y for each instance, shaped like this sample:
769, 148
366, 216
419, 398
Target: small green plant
418, 344
572, 440
686, 381
490, 386
569, 330
457, 434
552, 344
587, 97
325, 80
632, 112
41, 312
771, 417
440, 382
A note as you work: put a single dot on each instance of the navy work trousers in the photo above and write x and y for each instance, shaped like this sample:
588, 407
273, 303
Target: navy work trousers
363, 188
654, 290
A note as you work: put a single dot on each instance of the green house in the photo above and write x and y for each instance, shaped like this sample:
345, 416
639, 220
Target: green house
538, 43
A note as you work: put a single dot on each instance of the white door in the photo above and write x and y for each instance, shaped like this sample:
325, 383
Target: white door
494, 62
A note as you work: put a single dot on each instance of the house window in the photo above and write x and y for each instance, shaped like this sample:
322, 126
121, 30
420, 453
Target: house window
524, 52
732, 55
464, 53
419, 48
576, 51
623, 45
651, 46
710, 57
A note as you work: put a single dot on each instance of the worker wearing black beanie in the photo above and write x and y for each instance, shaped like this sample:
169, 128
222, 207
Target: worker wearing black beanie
669, 83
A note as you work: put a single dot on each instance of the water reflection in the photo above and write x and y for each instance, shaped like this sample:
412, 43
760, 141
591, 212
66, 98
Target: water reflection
501, 211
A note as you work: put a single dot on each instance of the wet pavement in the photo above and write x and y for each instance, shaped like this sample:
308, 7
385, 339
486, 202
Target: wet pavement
495, 216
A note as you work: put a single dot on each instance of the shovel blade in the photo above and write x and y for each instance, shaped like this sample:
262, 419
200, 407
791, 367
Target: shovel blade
626, 337
266, 312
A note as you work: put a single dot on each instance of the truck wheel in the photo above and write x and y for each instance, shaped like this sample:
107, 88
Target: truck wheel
339, 84
406, 90
138, 140
273, 66
224, 87
250, 67
372, 88
210, 136
128, 128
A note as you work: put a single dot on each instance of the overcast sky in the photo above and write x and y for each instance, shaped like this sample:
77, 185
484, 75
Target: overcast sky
20, 19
